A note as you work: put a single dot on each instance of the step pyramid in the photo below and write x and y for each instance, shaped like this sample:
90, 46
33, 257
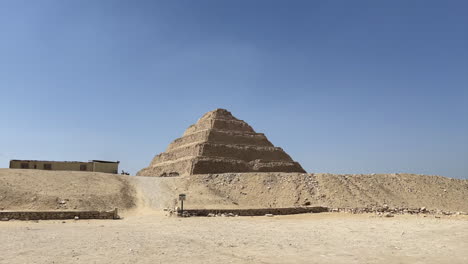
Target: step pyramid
220, 143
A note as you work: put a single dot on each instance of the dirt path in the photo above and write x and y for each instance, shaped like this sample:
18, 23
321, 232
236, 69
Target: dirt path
309, 238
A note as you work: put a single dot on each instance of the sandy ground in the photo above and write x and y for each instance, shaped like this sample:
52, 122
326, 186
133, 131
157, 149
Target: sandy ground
149, 237
60, 190
146, 236
64, 190
260, 190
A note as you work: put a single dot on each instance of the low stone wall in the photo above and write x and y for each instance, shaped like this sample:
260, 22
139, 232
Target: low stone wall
57, 215
256, 212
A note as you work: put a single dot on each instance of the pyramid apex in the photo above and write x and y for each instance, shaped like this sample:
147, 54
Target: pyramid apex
218, 113
220, 110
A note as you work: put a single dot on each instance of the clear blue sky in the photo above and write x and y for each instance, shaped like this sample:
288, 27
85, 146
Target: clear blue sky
342, 86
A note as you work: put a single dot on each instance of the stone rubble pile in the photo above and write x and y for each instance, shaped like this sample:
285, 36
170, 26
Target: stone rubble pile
385, 209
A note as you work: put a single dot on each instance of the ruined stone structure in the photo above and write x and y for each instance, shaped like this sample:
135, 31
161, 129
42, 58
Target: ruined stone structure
92, 165
220, 143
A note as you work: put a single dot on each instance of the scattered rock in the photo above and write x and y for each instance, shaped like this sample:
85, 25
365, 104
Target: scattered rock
185, 214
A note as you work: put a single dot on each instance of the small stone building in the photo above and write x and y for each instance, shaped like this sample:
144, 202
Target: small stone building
92, 165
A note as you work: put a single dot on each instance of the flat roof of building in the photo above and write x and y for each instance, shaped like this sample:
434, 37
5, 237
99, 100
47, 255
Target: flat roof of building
104, 161
97, 161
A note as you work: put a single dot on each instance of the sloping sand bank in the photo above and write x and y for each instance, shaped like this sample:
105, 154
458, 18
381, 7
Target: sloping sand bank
64, 190
50, 190
258, 190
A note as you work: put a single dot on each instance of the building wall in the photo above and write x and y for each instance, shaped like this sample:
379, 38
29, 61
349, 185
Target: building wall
64, 166
105, 167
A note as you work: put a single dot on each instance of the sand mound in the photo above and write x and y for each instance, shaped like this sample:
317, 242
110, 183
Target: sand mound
58, 190
395, 190
257, 190
64, 190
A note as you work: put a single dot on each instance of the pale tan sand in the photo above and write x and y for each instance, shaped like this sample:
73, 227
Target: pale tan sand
65, 190
150, 237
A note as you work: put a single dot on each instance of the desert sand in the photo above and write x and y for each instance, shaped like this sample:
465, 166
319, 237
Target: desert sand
260, 190
59, 190
310, 238
148, 235
64, 190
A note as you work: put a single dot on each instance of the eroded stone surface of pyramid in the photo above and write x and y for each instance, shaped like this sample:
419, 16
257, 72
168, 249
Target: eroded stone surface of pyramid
220, 143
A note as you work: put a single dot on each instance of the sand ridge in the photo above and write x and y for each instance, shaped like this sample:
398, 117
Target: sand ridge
260, 190
60, 190
64, 190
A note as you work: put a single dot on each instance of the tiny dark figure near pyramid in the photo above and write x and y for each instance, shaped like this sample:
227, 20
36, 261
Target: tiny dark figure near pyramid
220, 143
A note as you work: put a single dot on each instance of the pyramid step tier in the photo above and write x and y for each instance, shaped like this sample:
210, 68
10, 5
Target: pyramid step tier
205, 165
220, 124
221, 137
241, 152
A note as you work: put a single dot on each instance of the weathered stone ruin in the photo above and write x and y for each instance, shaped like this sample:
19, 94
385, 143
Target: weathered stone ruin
220, 143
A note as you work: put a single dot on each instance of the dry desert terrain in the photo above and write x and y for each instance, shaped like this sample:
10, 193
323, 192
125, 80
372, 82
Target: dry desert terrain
147, 235
150, 237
